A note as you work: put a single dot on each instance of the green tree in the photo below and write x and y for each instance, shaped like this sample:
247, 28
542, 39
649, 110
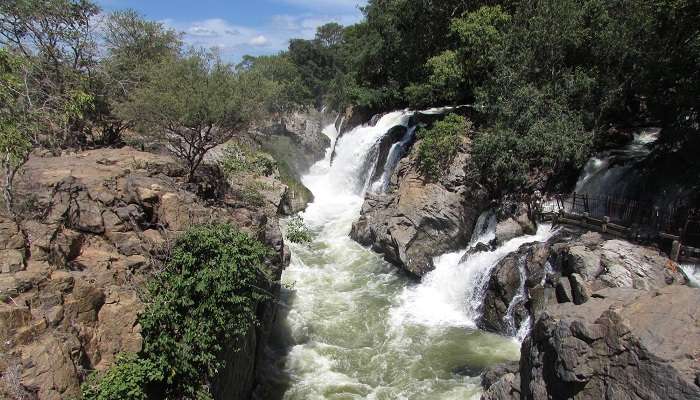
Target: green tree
56, 41
15, 124
193, 104
132, 44
438, 145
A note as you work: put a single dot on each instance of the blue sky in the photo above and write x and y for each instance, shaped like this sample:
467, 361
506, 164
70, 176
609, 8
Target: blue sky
239, 27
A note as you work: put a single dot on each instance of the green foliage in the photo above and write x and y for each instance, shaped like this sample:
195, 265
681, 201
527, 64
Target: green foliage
297, 231
439, 144
204, 299
127, 379
192, 103
238, 158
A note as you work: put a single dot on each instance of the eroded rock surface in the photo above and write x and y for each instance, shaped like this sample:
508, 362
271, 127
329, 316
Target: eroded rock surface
569, 268
624, 343
419, 219
72, 269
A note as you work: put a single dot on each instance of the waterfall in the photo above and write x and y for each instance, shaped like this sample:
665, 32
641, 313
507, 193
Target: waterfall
693, 274
613, 172
452, 293
339, 336
396, 153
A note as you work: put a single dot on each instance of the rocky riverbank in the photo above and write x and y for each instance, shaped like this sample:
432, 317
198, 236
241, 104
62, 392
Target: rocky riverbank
74, 267
609, 320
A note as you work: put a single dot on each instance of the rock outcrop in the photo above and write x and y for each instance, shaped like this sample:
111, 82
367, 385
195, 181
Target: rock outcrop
623, 343
72, 270
417, 218
568, 268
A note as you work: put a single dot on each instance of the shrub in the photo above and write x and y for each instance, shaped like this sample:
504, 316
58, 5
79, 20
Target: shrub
440, 143
128, 379
297, 231
239, 159
206, 297
203, 300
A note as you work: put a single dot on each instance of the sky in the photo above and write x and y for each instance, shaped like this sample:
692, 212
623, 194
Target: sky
240, 27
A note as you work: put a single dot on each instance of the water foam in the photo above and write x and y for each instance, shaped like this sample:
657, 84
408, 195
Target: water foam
451, 294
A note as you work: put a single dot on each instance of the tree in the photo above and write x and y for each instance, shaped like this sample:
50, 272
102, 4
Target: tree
15, 124
56, 42
193, 103
132, 45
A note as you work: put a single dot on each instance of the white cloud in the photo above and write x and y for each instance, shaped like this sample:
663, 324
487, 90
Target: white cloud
234, 41
333, 5
259, 40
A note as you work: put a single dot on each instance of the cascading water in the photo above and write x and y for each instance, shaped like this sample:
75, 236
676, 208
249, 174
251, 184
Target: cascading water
613, 173
693, 274
357, 329
397, 151
452, 293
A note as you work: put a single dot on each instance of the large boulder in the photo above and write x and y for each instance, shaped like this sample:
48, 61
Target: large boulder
418, 218
622, 344
569, 267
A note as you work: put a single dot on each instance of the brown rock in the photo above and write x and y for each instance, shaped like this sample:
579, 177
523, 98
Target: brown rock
11, 261
10, 236
13, 317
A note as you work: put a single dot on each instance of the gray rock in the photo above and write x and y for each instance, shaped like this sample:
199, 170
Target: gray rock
507, 230
580, 289
564, 292
419, 219
623, 344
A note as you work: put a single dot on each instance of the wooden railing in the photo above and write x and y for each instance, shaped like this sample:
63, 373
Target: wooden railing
676, 227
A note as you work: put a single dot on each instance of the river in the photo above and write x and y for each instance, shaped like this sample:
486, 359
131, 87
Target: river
353, 326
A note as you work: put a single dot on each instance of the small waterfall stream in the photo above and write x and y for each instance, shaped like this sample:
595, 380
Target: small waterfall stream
355, 328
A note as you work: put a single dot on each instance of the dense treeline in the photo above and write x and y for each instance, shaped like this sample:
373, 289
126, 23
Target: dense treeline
548, 77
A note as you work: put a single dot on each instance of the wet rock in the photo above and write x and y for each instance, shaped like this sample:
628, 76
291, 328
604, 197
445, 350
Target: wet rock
507, 230
492, 374
418, 218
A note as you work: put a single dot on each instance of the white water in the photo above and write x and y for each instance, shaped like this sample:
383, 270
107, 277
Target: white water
608, 171
359, 329
693, 274
451, 294
397, 151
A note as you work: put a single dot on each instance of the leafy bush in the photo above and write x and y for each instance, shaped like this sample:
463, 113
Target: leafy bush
204, 299
238, 158
127, 380
440, 143
297, 231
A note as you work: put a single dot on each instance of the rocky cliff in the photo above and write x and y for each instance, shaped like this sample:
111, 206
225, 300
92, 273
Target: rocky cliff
74, 267
568, 268
610, 320
622, 344
418, 219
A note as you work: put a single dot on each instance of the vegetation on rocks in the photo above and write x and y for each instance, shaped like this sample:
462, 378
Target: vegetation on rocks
297, 231
205, 296
440, 143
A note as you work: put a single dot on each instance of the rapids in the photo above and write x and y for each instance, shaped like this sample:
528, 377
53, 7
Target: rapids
352, 326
